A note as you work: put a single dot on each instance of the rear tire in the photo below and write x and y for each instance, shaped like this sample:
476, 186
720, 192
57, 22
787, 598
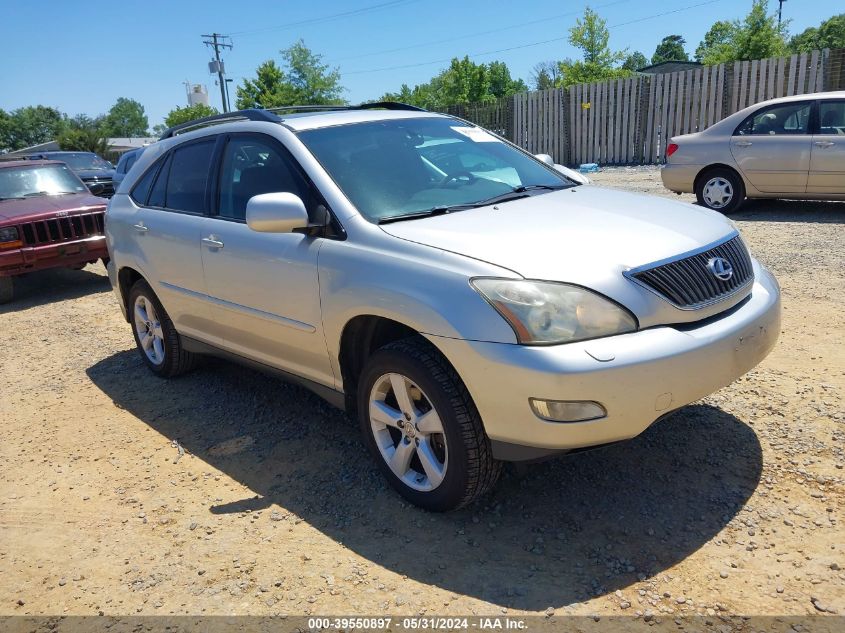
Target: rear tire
7, 289
720, 189
158, 342
429, 443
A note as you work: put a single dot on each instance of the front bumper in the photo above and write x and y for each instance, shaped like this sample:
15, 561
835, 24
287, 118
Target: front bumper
31, 258
680, 178
643, 375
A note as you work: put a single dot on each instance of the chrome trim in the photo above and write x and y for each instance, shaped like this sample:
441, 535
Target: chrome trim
629, 274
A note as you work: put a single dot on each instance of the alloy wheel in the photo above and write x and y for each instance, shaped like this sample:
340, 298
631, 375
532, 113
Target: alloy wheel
148, 328
408, 432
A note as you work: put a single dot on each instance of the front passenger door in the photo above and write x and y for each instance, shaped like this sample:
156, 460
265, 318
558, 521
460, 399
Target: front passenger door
772, 147
263, 287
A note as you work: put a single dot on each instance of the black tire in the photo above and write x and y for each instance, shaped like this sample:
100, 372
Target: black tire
176, 360
7, 289
728, 175
471, 470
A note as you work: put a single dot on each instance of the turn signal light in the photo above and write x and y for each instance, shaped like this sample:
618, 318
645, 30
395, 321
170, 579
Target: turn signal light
671, 149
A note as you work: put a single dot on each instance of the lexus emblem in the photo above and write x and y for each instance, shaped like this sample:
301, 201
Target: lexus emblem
721, 268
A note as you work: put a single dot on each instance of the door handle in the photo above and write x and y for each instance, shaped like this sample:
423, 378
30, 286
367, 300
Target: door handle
212, 242
824, 143
140, 227
744, 143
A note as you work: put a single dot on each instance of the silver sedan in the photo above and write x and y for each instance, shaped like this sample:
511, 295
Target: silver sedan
793, 147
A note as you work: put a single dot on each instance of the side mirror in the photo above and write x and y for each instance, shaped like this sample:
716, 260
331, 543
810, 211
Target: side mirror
546, 159
576, 176
97, 188
276, 213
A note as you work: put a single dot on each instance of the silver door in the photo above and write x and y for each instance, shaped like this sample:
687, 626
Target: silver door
772, 148
169, 249
264, 287
827, 163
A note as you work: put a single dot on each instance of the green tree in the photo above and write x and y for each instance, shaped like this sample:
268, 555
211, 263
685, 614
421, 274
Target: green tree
829, 34
670, 49
126, 118
29, 126
87, 139
179, 115
591, 35
759, 35
462, 82
718, 44
635, 61
756, 36
304, 80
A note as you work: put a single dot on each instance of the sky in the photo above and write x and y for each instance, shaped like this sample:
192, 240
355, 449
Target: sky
80, 59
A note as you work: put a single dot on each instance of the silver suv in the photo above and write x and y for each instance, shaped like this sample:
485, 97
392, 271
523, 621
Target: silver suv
466, 300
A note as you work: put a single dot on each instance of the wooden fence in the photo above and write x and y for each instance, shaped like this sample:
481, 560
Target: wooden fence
628, 121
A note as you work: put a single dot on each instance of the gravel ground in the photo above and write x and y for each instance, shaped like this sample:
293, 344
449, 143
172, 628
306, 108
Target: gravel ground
733, 505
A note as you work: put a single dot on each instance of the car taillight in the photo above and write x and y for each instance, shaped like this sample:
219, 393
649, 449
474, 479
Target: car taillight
671, 149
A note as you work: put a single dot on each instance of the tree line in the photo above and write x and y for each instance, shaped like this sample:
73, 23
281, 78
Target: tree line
303, 78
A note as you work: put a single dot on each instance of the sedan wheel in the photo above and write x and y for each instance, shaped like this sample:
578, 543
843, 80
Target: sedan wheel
408, 432
720, 189
718, 193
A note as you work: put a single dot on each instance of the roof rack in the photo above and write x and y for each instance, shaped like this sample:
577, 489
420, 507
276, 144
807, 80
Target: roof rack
269, 115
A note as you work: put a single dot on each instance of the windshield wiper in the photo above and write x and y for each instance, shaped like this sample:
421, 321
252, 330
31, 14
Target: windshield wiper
47, 193
12, 198
514, 194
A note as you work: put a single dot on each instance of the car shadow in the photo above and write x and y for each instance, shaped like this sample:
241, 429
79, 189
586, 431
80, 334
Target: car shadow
551, 534
761, 210
55, 284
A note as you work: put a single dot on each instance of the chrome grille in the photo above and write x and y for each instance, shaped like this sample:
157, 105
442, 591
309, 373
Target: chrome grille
688, 283
74, 227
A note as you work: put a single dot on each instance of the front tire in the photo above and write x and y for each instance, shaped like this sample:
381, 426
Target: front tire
157, 340
721, 190
422, 428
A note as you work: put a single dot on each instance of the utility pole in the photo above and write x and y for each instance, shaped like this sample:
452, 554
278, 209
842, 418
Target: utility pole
217, 42
780, 10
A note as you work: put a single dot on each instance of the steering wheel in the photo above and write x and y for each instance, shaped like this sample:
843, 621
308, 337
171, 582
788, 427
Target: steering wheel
458, 178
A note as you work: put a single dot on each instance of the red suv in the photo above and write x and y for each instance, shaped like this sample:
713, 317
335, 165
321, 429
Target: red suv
48, 219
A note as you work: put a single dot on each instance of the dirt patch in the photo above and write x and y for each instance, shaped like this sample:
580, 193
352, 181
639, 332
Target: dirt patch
734, 504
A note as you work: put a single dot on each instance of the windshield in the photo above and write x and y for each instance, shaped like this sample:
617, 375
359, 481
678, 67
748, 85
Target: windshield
406, 166
41, 180
83, 160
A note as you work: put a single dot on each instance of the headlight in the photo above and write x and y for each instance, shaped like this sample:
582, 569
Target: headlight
9, 237
544, 312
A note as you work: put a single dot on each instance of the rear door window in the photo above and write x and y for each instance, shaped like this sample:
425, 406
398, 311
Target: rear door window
188, 175
832, 117
781, 119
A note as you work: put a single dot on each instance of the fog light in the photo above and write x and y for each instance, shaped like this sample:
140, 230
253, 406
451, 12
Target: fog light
567, 410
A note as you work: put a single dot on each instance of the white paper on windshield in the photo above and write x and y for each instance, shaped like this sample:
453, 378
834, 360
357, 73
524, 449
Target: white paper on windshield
476, 134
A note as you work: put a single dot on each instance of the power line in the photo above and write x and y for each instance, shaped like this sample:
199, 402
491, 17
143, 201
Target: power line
529, 45
477, 34
326, 18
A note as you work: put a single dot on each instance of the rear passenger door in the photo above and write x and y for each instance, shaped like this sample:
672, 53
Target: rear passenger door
827, 164
772, 147
173, 198
264, 287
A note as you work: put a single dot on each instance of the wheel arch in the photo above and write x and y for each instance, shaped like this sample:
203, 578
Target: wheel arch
360, 337
704, 171
126, 278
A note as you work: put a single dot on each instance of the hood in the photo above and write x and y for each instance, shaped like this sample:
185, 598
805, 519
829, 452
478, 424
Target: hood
95, 174
44, 206
583, 235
